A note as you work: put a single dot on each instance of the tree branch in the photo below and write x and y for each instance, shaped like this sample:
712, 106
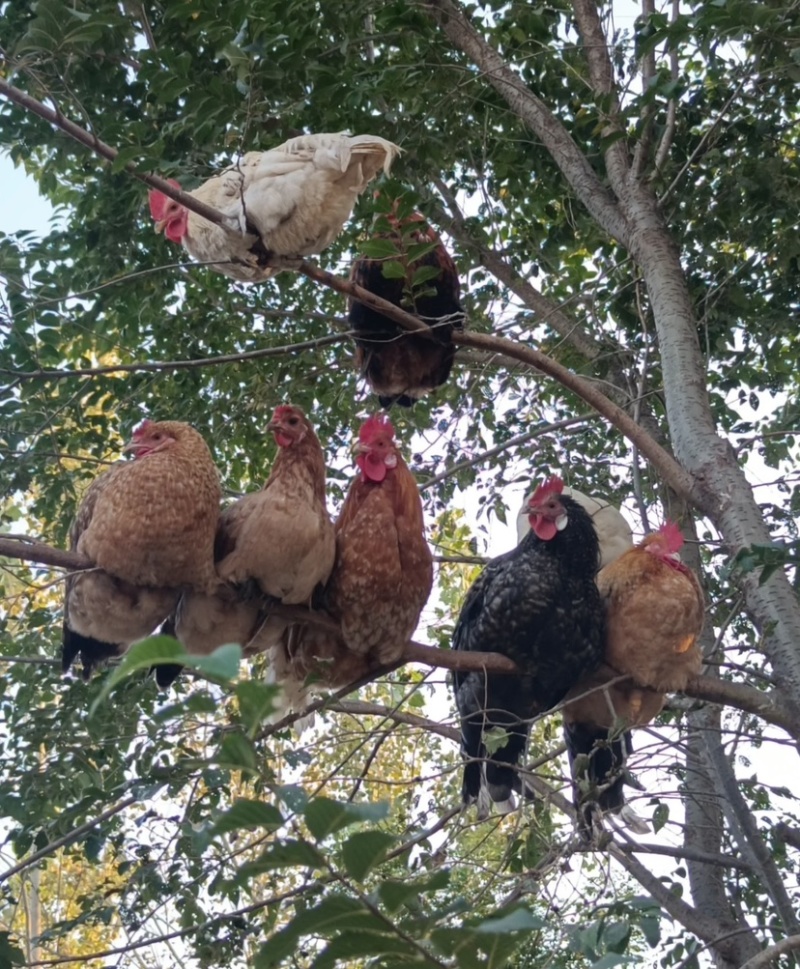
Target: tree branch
68, 838
181, 364
534, 113
54, 117
769, 955
601, 74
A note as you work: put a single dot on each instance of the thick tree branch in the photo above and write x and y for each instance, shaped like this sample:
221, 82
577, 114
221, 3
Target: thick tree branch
534, 113
601, 75
769, 706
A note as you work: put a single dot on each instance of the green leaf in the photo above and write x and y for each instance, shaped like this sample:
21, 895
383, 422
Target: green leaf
424, 274
519, 920
10, 953
248, 815
393, 270
325, 816
286, 854
364, 850
222, 664
378, 248
256, 702
236, 752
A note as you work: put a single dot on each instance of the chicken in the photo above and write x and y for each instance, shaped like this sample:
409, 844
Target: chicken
277, 543
292, 200
399, 366
538, 605
613, 532
654, 616
148, 525
381, 579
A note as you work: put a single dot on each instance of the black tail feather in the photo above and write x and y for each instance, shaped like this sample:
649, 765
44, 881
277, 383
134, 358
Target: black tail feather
92, 652
597, 759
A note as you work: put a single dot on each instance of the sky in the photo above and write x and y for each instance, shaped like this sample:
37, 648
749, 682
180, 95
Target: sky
21, 206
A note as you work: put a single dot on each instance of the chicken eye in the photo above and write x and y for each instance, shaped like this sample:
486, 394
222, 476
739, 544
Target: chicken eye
293, 420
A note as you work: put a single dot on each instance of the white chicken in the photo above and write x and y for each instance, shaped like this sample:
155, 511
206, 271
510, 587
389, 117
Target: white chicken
292, 200
613, 532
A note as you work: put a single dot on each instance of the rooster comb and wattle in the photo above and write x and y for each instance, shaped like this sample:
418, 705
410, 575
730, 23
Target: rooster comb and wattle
375, 425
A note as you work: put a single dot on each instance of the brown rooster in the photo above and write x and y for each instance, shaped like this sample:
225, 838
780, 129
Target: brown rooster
380, 582
274, 545
400, 366
654, 616
291, 200
148, 525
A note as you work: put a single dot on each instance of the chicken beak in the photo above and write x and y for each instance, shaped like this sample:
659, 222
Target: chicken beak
359, 447
133, 446
275, 426
160, 225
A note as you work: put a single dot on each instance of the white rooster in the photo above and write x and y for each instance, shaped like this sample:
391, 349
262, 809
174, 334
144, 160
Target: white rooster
289, 201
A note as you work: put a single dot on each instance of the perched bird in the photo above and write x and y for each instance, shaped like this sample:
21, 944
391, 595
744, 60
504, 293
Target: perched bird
381, 579
538, 605
613, 532
292, 200
275, 545
654, 616
399, 366
148, 525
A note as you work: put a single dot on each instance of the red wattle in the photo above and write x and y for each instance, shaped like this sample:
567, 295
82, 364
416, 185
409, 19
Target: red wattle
372, 467
543, 528
283, 439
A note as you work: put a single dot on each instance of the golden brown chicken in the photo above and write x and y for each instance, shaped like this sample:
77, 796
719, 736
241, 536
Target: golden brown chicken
381, 579
654, 615
275, 545
149, 526
400, 366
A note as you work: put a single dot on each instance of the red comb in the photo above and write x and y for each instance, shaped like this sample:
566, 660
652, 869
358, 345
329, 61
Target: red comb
552, 486
671, 533
143, 428
374, 425
284, 410
158, 200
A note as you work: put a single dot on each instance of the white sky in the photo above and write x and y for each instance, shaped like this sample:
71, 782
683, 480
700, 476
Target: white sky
21, 206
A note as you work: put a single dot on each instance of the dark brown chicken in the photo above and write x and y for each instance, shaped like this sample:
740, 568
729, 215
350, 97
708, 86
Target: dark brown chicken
149, 526
399, 366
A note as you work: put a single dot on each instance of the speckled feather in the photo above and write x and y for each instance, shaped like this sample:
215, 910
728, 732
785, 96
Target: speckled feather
384, 568
380, 583
537, 604
149, 524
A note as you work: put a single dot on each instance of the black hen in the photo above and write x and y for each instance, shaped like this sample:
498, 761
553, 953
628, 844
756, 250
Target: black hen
399, 366
538, 605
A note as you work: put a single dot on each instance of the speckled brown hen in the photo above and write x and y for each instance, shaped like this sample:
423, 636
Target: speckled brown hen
381, 579
148, 525
276, 544
654, 616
